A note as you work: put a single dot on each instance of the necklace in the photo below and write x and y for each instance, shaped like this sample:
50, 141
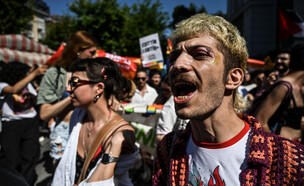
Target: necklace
89, 131
88, 135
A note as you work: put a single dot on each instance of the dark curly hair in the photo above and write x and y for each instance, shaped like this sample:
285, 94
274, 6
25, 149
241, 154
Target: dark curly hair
14, 72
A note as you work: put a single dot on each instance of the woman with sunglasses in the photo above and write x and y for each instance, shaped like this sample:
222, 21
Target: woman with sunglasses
53, 99
92, 83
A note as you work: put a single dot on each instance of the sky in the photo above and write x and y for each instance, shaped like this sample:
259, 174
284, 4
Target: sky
60, 7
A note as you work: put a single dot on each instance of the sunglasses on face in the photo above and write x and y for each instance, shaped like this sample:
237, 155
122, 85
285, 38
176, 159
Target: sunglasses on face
76, 82
140, 78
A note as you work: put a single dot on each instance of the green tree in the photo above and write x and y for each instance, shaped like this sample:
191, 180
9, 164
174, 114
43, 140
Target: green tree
59, 31
181, 12
143, 19
105, 20
15, 16
116, 28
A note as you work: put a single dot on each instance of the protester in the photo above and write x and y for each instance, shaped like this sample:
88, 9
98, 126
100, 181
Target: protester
207, 66
20, 147
155, 80
165, 92
129, 88
144, 93
283, 106
282, 62
92, 83
54, 100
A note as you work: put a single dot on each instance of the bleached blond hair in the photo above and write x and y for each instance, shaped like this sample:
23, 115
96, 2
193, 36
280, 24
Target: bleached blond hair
230, 42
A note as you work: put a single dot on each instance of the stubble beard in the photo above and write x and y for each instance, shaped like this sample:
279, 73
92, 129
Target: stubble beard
204, 106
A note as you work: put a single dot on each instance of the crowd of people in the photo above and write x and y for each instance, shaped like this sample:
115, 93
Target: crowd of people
221, 122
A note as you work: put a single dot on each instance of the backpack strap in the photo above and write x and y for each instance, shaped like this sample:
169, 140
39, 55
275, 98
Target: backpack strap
109, 128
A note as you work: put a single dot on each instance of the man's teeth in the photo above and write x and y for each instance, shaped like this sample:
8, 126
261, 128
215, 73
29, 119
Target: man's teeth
182, 97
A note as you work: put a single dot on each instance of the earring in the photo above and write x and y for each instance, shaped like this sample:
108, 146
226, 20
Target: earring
96, 98
78, 54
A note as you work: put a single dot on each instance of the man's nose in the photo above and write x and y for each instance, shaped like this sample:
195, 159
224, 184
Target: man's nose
183, 62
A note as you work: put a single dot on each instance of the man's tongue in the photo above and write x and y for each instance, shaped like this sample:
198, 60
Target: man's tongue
184, 94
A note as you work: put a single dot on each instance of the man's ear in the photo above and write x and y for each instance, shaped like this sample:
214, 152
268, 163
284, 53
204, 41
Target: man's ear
234, 78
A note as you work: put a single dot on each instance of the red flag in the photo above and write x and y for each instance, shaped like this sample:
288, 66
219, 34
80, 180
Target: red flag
287, 26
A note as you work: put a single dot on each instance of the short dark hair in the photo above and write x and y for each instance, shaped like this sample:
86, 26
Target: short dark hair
111, 75
140, 69
153, 72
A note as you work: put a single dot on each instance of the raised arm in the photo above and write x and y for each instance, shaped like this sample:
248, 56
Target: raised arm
270, 105
22, 83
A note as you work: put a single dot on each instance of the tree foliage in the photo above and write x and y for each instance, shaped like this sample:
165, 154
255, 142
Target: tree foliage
116, 28
181, 12
60, 31
15, 16
143, 19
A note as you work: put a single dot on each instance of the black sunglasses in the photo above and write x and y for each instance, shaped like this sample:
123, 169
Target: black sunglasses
140, 78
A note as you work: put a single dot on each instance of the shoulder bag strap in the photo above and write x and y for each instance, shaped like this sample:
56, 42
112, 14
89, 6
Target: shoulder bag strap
108, 128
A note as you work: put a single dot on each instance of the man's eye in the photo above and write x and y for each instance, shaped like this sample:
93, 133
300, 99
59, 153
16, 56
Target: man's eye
201, 54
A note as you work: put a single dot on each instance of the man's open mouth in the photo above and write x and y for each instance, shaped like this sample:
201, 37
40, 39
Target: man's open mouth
183, 90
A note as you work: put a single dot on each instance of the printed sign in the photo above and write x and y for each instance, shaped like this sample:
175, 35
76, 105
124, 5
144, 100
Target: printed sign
151, 50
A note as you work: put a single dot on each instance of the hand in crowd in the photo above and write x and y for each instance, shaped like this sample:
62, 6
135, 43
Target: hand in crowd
40, 70
115, 104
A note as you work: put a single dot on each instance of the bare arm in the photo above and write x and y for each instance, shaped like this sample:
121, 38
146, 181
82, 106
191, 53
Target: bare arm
22, 83
159, 137
114, 148
47, 111
270, 105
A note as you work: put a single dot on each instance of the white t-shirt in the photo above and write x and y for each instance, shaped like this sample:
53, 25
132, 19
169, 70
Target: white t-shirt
168, 119
10, 110
218, 162
148, 98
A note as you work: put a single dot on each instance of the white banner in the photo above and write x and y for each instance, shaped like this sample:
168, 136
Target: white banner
144, 124
151, 50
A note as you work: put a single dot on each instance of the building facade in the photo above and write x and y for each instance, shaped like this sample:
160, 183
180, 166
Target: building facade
257, 21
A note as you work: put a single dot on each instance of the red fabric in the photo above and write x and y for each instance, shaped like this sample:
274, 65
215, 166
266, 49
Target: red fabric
127, 65
55, 56
225, 144
97, 153
287, 26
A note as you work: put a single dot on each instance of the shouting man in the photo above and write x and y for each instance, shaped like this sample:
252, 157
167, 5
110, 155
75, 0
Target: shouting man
220, 145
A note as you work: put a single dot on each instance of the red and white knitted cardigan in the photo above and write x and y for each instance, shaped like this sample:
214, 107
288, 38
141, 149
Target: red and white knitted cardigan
272, 160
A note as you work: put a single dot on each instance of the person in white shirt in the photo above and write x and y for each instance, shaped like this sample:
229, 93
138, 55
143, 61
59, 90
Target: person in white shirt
20, 125
144, 94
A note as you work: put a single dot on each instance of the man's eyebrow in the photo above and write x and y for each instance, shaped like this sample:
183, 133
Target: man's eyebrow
193, 47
